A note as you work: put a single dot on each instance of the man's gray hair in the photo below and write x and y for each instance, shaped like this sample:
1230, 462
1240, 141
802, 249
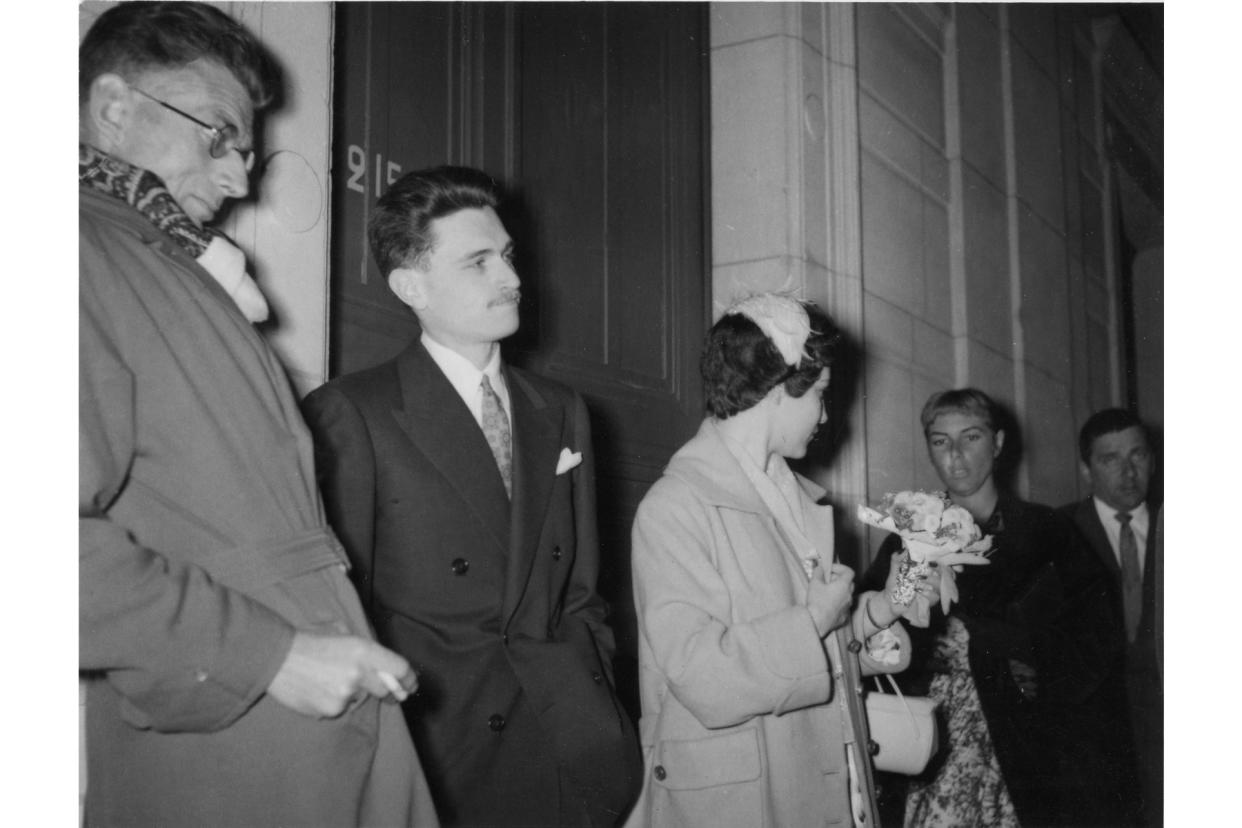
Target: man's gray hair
135, 36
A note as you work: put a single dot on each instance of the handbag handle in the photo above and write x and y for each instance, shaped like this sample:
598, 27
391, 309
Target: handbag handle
914, 722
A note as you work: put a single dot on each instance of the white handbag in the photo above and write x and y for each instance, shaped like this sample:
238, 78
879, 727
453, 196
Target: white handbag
905, 729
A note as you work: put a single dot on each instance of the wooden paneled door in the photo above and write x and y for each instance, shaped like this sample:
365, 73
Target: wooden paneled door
593, 116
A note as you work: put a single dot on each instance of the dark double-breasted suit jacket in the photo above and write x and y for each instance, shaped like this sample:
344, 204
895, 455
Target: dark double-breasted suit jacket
494, 602
1143, 679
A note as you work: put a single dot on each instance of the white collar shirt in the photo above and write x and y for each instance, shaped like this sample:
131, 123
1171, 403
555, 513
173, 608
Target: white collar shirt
1140, 520
466, 379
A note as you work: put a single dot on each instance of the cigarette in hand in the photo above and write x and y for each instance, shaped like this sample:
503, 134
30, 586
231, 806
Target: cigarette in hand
394, 686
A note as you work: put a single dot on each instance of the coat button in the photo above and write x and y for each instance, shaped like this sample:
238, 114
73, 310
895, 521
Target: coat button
597, 678
659, 772
855, 646
504, 639
556, 553
496, 722
873, 746
460, 566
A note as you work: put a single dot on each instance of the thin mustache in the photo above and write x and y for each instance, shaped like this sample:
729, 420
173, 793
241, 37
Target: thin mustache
514, 296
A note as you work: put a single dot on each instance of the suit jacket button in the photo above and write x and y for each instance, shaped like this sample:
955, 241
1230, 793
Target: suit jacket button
660, 773
504, 639
460, 566
873, 746
496, 722
597, 678
855, 646
556, 553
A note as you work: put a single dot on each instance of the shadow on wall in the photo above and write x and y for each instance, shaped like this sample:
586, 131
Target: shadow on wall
1006, 466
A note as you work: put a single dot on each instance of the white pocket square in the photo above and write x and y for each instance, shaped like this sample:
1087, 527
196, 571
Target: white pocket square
568, 460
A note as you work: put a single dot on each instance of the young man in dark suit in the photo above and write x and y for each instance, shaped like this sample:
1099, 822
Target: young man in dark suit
1121, 526
463, 491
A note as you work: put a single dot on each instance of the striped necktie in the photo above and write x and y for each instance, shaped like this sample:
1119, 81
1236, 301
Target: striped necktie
1131, 577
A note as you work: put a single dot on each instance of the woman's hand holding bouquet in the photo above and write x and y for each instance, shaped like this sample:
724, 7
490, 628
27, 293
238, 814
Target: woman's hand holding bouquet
934, 533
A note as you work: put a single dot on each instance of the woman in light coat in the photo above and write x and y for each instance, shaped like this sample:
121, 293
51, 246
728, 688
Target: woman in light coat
751, 658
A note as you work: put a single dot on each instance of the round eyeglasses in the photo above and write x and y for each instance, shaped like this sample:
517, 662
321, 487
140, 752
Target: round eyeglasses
223, 138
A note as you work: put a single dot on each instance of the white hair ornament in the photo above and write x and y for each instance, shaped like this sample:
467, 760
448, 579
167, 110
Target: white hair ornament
782, 319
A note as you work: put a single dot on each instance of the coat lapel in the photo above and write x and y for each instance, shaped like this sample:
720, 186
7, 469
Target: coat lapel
711, 469
1089, 520
817, 524
537, 429
819, 521
443, 430
1150, 576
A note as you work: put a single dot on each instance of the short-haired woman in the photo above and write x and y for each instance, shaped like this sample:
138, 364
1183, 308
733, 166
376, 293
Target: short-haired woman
750, 653
1025, 663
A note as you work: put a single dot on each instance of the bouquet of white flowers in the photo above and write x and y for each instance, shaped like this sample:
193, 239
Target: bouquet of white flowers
933, 532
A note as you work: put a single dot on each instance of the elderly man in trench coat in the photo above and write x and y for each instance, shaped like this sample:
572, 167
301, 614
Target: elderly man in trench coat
230, 676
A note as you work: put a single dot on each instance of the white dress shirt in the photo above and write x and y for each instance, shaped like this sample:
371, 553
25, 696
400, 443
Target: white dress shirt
1140, 520
466, 379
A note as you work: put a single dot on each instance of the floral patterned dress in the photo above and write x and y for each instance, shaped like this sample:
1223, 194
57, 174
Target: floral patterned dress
968, 789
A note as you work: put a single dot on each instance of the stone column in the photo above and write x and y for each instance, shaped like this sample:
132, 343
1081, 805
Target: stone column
786, 209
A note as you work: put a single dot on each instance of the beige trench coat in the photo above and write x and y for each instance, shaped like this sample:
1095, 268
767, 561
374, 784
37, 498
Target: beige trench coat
745, 717
202, 548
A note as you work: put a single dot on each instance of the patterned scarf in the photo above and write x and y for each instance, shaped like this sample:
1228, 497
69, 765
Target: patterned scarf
146, 193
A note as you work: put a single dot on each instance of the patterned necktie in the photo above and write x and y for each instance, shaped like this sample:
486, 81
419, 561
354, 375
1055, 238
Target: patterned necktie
1131, 577
496, 430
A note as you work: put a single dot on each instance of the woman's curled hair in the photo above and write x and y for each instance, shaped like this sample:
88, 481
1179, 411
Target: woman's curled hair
740, 365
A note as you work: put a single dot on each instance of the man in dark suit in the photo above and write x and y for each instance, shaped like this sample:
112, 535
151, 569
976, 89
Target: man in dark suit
463, 491
1121, 526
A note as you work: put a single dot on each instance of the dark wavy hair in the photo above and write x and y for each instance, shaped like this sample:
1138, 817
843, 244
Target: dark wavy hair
740, 365
400, 226
965, 401
1107, 421
132, 37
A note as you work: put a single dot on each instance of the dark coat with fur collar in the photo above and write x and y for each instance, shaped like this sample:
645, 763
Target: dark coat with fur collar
1044, 601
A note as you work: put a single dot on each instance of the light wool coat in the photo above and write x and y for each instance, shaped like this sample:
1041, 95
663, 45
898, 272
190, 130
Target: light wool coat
745, 716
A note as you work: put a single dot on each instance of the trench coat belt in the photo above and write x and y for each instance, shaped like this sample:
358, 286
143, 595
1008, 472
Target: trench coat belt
255, 566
